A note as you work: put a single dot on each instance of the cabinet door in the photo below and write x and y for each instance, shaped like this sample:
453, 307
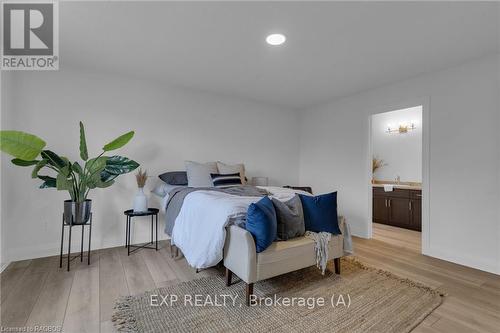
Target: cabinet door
416, 215
399, 212
380, 209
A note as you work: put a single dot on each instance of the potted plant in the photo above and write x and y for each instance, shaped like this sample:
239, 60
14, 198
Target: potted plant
140, 200
78, 179
377, 163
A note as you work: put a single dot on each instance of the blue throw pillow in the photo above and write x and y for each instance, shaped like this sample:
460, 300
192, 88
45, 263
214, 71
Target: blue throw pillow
262, 223
320, 213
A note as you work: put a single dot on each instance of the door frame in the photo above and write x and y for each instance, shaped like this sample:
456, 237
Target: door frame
426, 179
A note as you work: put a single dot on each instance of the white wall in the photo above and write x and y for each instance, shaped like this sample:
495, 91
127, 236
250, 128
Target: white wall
464, 157
401, 152
171, 126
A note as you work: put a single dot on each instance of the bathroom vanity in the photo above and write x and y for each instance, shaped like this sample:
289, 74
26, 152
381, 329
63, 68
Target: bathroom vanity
401, 207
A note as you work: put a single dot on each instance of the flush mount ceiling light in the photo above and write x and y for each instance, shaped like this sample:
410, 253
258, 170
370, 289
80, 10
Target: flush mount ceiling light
275, 39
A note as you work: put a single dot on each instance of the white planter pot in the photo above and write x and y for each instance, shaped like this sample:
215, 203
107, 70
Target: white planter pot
140, 201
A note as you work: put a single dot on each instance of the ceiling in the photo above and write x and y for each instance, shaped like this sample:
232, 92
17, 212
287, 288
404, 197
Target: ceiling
332, 49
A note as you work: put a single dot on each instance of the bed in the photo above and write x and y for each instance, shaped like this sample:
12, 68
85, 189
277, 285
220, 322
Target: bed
196, 218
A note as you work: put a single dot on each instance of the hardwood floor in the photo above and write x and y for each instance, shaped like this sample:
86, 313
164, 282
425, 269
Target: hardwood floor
37, 292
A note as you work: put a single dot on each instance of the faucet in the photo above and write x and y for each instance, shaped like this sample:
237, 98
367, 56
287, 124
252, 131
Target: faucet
398, 180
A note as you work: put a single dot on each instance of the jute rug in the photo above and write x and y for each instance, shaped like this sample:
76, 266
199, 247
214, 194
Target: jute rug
361, 299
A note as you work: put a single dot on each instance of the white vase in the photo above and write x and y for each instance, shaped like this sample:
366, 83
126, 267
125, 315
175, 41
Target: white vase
140, 201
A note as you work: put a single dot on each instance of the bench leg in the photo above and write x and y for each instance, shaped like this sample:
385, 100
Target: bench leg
229, 276
249, 292
336, 262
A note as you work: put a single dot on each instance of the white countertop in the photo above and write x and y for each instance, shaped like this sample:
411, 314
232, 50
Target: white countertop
402, 187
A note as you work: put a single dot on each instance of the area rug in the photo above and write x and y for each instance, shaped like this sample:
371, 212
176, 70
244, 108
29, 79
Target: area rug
361, 299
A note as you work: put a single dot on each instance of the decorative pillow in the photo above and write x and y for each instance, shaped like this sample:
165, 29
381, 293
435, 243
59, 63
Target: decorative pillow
320, 212
290, 218
161, 189
237, 168
261, 223
175, 178
198, 174
225, 181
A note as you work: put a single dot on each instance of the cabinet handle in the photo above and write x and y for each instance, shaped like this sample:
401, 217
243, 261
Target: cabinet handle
389, 202
386, 202
409, 205
418, 195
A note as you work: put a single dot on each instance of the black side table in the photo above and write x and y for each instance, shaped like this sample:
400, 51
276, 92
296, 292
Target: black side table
70, 224
153, 212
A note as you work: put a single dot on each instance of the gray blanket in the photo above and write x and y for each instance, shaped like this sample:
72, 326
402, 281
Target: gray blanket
177, 196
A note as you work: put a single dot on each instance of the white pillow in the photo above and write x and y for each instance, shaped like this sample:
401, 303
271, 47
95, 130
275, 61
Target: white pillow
225, 169
198, 174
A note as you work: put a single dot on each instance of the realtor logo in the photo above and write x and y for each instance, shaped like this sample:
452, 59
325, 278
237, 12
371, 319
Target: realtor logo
30, 36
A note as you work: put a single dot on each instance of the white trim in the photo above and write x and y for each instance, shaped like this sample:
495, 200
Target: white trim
425, 103
426, 177
53, 249
479, 263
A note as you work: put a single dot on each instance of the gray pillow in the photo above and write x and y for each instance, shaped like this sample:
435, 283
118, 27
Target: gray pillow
175, 178
290, 218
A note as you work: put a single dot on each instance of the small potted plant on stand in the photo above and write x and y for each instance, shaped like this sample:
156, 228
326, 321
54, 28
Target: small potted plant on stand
78, 179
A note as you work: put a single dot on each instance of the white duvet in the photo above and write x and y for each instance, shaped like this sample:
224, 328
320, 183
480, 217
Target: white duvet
200, 227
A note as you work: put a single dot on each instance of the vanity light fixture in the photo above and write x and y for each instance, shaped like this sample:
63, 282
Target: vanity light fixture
402, 129
275, 39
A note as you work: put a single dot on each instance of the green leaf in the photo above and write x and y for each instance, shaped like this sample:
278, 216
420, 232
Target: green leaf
21, 145
106, 176
63, 183
77, 168
53, 159
48, 182
119, 141
93, 181
83, 143
102, 184
118, 165
38, 167
23, 163
66, 170
96, 165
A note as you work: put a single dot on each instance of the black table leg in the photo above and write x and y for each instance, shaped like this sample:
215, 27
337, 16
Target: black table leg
90, 237
69, 244
156, 232
81, 248
151, 229
128, 239
62, 240
126, 233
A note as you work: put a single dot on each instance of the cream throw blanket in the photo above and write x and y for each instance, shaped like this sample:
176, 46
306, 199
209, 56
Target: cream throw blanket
322, 239
320, 248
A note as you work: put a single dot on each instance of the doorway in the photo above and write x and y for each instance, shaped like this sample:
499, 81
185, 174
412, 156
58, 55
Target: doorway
397, 176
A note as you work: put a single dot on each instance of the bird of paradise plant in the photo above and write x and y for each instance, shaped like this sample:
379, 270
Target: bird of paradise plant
58, 172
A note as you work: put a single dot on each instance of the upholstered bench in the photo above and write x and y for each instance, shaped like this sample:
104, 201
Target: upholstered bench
241, 258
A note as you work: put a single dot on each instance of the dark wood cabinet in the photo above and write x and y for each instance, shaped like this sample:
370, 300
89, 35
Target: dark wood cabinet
401, 208
380, 211
399, 212
416, 214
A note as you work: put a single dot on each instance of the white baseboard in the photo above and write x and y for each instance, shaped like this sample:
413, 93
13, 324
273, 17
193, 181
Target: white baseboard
359, 232
48, 250
3, 266
482, 264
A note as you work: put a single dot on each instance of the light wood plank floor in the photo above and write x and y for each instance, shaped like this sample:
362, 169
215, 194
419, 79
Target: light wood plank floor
37, 292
